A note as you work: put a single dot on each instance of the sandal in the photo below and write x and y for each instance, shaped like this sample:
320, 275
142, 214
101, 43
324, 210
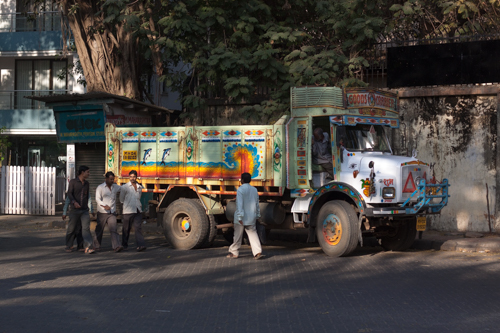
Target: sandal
232, 256
118, 249
68, 249
89, 251
141, 248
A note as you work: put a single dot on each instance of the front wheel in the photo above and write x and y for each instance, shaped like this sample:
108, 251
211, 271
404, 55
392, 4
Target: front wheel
402, 237
336, 228
185, 224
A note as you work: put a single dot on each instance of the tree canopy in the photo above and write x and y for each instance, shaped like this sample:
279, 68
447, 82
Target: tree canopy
240, 50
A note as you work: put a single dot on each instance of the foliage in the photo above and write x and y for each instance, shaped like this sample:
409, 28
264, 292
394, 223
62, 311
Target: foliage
445, 18
251, 52
240, 49
4, 143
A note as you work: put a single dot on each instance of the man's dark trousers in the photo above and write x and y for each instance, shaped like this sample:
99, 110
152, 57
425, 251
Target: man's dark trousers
135, 220
102, 220
78, 219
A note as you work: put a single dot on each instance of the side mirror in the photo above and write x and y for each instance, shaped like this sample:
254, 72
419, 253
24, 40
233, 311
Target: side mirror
371, 164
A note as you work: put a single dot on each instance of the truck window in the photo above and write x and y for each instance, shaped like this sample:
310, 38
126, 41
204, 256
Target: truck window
364, 138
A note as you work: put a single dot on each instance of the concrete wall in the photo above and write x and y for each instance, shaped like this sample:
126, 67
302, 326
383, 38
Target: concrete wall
459, 134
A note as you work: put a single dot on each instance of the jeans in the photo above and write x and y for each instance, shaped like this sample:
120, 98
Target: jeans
135, 220
78, 219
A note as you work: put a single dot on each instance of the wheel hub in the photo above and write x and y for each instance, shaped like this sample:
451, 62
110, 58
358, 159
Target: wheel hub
332, 229
185, 225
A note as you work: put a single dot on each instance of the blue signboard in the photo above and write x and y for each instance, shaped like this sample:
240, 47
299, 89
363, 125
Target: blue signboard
84, 125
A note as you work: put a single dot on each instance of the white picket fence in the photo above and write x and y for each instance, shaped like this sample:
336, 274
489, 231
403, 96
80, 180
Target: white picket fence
28, 190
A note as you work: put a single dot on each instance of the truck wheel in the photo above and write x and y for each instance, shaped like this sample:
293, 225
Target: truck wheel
336, 228
403, 238
185, 224
212, 232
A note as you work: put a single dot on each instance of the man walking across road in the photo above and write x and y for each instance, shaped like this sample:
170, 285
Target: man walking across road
79, 217
245, 218
130, 196
105, 197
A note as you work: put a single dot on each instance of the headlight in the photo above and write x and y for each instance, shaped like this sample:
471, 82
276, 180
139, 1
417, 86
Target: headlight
388, 193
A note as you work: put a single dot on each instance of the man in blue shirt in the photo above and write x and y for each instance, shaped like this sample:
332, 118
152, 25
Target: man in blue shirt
245, 218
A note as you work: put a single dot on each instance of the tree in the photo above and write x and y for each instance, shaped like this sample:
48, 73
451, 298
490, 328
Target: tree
235, 48
239, 50
116, 41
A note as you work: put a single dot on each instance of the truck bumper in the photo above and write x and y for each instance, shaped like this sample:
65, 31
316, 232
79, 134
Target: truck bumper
424, 205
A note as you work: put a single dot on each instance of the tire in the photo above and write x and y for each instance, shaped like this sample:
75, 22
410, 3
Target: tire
212, 232
185, 224
336, 228
404, 237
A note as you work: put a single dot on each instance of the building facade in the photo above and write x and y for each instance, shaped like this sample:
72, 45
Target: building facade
31, 64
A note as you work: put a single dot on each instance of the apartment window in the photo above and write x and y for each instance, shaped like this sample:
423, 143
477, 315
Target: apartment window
38, 77
47, 17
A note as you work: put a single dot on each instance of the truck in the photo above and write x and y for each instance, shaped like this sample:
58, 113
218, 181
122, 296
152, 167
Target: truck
195, 172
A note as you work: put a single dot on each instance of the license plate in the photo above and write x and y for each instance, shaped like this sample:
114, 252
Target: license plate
421, 223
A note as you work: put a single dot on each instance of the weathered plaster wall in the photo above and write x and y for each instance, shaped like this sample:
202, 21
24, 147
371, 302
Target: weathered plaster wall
459, 135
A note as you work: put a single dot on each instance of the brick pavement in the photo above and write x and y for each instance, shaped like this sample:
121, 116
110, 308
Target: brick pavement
295, 289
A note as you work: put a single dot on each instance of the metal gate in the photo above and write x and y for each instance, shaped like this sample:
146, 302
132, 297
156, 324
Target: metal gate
28, 190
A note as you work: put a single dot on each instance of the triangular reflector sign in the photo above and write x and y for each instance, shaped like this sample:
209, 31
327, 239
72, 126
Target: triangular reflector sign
410, 185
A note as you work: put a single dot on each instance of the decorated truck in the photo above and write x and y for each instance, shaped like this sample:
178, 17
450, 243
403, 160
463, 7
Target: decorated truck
195, 172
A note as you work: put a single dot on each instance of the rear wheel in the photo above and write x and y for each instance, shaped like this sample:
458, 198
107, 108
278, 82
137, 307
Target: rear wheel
185, 224
336, 228
402, 237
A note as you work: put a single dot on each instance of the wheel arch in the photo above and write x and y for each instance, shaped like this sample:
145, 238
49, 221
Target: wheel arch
175, 192
335, 191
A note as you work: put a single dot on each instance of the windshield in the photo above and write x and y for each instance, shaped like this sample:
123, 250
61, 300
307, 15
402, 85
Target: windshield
363, 138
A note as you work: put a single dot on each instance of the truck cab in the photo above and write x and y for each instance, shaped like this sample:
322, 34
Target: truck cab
386, 195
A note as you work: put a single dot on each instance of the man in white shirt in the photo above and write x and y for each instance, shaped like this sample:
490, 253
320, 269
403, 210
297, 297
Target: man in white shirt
130, 196
245, 218
105, 196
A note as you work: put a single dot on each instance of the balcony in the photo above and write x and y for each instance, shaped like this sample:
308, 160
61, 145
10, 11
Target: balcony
15, 99
24, 116
30, 32
18, 22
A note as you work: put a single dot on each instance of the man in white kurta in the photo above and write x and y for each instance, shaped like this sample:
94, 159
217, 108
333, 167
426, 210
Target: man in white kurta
245, 218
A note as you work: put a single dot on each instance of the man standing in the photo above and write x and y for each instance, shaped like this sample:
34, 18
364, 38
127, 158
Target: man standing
105, 197
322, 151
130, 196
78, 194
245, 217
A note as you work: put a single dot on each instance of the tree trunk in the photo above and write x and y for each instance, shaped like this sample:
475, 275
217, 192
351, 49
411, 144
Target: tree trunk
107, 55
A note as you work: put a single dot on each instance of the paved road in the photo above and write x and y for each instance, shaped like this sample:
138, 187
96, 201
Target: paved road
295, 289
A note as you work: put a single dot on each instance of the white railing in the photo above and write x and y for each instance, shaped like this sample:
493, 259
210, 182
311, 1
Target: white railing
28, 190
15, 99
42, 21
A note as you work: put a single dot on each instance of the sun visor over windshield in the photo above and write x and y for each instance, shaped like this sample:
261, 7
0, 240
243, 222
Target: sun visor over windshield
354, 120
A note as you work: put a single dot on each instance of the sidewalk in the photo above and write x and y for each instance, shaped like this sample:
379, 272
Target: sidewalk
431, 240
458, 241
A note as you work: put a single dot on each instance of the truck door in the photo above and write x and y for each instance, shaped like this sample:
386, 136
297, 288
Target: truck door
147, 153
299, 153
130, 151
337, 135
210, 152
170, 155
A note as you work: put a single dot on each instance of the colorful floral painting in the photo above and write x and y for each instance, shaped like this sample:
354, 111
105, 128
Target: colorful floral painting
277, 152
111, 156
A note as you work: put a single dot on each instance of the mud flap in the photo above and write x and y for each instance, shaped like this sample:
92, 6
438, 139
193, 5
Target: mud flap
360, 237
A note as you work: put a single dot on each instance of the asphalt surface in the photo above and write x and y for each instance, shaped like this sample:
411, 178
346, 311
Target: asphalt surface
295, 288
